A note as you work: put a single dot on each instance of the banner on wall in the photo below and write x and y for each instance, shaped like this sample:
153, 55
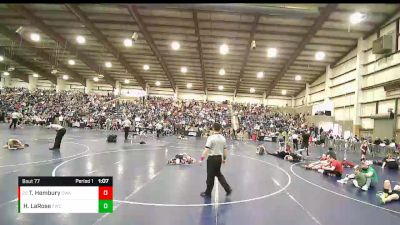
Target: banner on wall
323, 107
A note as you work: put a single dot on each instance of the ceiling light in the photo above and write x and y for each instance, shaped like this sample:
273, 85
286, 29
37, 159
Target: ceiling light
1, 58
158, 83
108, 64
126, 81
35, 37
357, 17
71, 62
252, 90
128, 42
6, 73
283, 92
54, 71
175, 45
146, 67
223, 49
220, 87
221, 72
297, 77
272, 52
35, 75
80, 39
95, 79
65, 77
260, 74
11, 68
320, 56
100, 75
183, 69
189, 85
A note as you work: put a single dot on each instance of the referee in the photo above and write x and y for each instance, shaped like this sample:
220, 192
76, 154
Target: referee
60, 134
217, 151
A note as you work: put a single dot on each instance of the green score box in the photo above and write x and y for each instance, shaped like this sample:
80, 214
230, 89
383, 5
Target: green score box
105, 206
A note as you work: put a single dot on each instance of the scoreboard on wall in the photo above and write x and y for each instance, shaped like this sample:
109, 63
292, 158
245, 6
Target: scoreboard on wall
65, 194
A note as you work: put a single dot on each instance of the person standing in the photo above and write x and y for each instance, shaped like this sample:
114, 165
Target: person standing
159, 128
60, 134
216, 150
305, 141
295, 140
14, 117
127, 126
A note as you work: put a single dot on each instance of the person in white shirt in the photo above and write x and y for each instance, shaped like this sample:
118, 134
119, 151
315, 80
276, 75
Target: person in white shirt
159, 127
14, 116
60, 134
127, 125
295, 141
217, 151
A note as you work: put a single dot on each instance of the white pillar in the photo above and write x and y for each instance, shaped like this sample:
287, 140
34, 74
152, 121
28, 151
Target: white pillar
293, 102
117, 90
264, 98
89, 86
32, 83
147, 89
307, 95
60, 85
360, 70
5, 81
328, 83
176, 93
205, 96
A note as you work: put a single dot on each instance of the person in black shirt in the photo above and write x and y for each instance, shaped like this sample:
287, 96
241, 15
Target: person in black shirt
304, 143
389, 161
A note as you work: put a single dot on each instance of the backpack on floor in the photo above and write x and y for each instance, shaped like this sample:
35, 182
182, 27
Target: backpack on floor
112, 138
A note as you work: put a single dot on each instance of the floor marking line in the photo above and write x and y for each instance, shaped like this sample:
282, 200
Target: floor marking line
94, 171
53, 173
128, 196
117, 162
219, 203
335, 193
298, 203
50, 160
5, 203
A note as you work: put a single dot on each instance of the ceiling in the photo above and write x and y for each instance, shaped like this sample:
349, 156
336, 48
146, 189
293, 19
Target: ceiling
297, 31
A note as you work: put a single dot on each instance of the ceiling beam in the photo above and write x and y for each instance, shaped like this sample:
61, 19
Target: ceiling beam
377, 28
74, 9
19, 60
37, 22
15, 37
200, 50
133, 11
20, 75
247, 54
262, 9
385, 21
318, 23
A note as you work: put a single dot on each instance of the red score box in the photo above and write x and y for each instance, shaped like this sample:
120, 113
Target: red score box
105, 193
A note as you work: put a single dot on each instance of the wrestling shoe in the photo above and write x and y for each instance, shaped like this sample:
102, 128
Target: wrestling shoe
364, 188
203, 194
54, 149
382, 197
229, 192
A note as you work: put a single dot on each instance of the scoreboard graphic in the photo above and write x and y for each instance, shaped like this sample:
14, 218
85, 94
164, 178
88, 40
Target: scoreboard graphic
65, 194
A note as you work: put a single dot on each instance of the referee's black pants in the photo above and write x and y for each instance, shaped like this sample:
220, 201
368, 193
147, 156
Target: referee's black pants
14, 122
126, 129
214, 170
59, 136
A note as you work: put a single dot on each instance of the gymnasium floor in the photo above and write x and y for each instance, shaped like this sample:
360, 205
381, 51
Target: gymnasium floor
266, 190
